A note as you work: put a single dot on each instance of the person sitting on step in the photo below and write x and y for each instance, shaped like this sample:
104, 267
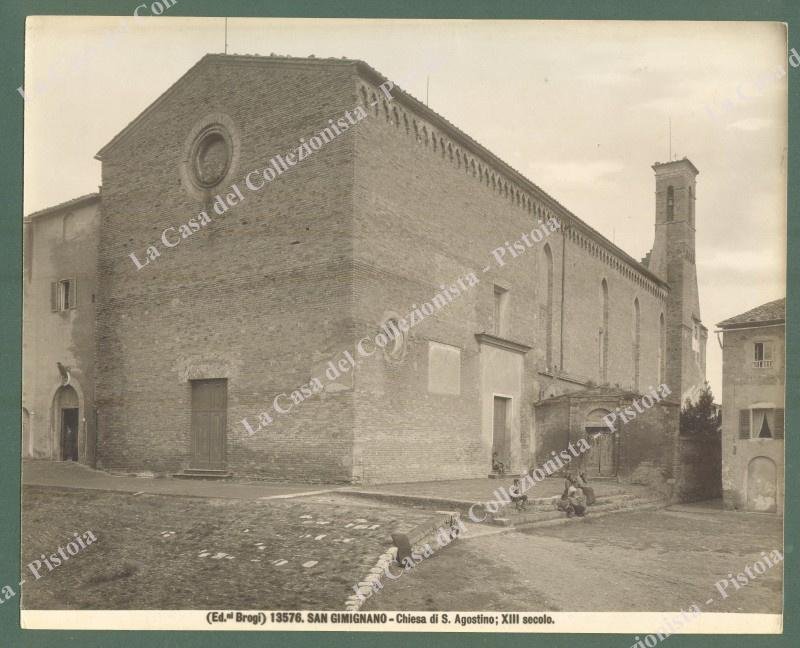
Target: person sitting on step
564, 503
583, 483
517, 496
498, 466
577, 500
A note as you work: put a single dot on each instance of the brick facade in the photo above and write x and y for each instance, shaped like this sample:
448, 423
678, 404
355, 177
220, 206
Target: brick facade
364, 230
259, 297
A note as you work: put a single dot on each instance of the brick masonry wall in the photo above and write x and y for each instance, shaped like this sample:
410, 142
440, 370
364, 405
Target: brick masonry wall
583, 318
427, 214
299, 271
674, 257
261, 297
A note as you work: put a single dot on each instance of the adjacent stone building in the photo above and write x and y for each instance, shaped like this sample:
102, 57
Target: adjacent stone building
266, 215
59, 285
753, 377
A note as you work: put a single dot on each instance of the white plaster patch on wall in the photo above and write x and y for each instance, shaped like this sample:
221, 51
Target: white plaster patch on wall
444, 369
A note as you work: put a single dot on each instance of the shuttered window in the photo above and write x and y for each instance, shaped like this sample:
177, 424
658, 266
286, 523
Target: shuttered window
744, 424
778, 432
63, 295
72, 301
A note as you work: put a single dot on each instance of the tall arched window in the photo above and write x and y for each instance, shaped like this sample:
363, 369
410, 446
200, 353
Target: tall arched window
636, 330
602, 350
547, 313
662, 345
670, 203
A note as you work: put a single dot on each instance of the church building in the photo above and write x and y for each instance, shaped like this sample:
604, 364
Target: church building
263, 233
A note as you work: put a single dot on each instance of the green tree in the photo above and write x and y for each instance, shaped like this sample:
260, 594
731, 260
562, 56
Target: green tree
703, 417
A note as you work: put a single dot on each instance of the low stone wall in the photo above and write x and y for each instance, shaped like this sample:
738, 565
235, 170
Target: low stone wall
424, 541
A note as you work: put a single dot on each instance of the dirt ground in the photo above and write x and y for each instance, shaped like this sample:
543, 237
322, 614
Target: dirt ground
642, 561
149, 550
171, 552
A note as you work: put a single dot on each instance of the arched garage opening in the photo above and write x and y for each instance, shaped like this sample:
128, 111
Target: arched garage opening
762, 485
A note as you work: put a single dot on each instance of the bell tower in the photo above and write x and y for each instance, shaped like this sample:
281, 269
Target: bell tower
673, 259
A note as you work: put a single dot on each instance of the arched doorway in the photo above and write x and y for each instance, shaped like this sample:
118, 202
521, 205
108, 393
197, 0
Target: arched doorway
762, 485
67, 419
601, 459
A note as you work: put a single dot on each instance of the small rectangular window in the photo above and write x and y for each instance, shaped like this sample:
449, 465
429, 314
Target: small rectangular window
63, 295
500, 311
762, 355
763, 423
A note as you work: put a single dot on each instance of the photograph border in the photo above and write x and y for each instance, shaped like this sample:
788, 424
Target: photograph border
12, 35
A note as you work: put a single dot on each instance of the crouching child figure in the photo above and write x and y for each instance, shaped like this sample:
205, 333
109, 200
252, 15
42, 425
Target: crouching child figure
517, 496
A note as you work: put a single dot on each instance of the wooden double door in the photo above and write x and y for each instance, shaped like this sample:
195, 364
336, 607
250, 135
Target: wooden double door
601, 459
209, 423
69, 433
501, 443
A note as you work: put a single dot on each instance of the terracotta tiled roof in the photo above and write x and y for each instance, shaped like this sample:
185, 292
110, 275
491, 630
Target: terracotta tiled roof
65, 205
773, 312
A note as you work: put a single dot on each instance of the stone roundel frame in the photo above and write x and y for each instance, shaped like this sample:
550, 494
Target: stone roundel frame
213, 125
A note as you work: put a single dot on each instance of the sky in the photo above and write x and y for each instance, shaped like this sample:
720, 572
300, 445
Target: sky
583, 109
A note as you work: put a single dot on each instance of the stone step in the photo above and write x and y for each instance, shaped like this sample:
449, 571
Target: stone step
202, 473
546, 503
553, 516
462, 506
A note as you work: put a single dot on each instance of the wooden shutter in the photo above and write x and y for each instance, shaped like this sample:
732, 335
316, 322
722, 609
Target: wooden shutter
73, 302
54, 296
778, 431
744, 424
